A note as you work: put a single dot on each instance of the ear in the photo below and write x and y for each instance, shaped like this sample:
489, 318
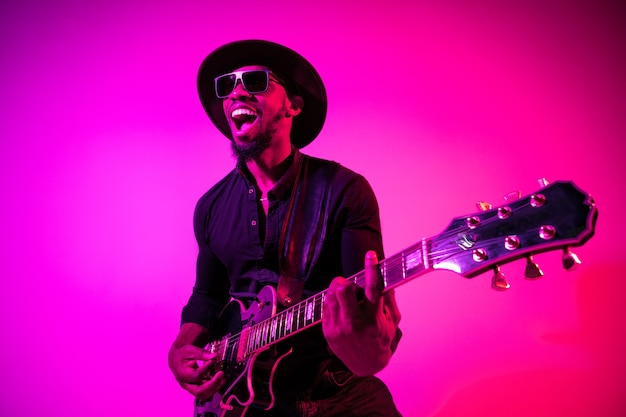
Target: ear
296, 105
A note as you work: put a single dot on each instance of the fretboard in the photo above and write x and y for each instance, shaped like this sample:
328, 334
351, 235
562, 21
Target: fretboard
395, 271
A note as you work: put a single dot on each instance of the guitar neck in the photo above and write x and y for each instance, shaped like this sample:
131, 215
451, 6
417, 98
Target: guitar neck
395, 271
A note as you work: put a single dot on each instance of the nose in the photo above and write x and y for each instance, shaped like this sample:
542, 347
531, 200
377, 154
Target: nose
239, 91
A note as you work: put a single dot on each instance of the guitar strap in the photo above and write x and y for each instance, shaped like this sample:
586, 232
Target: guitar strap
304, 226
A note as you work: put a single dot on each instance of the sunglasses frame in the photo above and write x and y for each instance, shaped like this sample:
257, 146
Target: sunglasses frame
239, 77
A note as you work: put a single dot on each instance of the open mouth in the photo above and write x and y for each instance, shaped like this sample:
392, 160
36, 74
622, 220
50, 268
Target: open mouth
243, 118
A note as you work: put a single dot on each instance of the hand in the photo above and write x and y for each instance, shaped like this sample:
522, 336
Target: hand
360, 333
193, 369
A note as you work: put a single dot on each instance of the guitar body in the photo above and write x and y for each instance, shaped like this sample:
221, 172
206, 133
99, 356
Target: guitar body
249, 378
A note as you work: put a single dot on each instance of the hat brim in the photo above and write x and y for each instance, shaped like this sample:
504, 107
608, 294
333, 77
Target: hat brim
307, 125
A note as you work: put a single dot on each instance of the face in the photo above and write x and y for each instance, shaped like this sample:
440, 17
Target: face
260, 120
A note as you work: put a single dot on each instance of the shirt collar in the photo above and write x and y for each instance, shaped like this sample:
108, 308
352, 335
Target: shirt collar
282, 189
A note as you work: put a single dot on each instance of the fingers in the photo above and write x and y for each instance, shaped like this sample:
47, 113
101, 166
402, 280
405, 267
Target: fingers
192, 364
373, 282
345, 293
208, 388
340, 307
342, 293
191, 352
204, 356
205, 366
345, 308
194, 371
391, 307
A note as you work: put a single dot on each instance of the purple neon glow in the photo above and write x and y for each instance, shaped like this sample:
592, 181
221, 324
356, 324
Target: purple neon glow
104, 150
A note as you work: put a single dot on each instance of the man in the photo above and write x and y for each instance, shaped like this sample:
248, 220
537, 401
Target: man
297, 225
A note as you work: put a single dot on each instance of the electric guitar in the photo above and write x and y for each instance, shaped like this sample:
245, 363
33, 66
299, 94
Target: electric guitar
558, 216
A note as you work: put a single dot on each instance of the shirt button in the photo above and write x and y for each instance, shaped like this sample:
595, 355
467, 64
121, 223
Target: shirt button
251, 191
253, 222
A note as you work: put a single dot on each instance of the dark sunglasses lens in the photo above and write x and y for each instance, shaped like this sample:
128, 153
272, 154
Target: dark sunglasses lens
225, 84
255, 81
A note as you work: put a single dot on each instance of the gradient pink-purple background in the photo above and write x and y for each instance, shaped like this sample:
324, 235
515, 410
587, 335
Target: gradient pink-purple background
105, 149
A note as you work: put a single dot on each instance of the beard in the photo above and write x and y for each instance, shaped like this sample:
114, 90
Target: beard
252, 150
263, 141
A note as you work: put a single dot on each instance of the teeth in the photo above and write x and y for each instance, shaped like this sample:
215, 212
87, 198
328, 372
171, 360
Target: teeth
243, 112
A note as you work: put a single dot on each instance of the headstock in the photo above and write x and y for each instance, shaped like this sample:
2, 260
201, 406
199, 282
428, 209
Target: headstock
558, 216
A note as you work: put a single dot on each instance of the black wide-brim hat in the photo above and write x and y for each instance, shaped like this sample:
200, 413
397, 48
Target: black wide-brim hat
286, 63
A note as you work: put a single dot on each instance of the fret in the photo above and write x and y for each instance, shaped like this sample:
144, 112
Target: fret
259, 340
250, 342
273, 329
254, 338
308, 318
313, 309
289, 321
306, 310
258, 337
261, 335
382, 267
282, 327
306, 313
265, 333
301, 315
318, 307
280, 323
425, 259
243, 341
298, 316
393, 271
413, 260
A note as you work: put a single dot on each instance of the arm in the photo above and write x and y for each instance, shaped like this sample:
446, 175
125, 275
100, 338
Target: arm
192, 365
362, 331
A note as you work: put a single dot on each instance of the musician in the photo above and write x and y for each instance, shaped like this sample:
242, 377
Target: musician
295, 223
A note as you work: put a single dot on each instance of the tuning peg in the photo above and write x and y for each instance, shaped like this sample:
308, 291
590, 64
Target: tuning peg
499, 281
513, 195
543, 182
483, 206
532, 268
570, 260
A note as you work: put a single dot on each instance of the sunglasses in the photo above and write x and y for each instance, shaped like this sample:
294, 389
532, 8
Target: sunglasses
253, 81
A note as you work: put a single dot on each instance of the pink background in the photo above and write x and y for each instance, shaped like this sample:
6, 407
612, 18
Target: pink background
104, 150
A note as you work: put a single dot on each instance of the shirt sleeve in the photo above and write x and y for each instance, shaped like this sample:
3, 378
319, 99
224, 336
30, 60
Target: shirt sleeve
360, 224
362, 232
210, 292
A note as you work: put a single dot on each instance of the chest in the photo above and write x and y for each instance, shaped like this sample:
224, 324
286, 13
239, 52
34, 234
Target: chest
240, 230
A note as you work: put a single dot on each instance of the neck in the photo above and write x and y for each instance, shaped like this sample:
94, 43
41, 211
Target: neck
269, 167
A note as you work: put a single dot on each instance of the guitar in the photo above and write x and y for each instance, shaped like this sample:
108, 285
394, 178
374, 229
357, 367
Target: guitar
558, 216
